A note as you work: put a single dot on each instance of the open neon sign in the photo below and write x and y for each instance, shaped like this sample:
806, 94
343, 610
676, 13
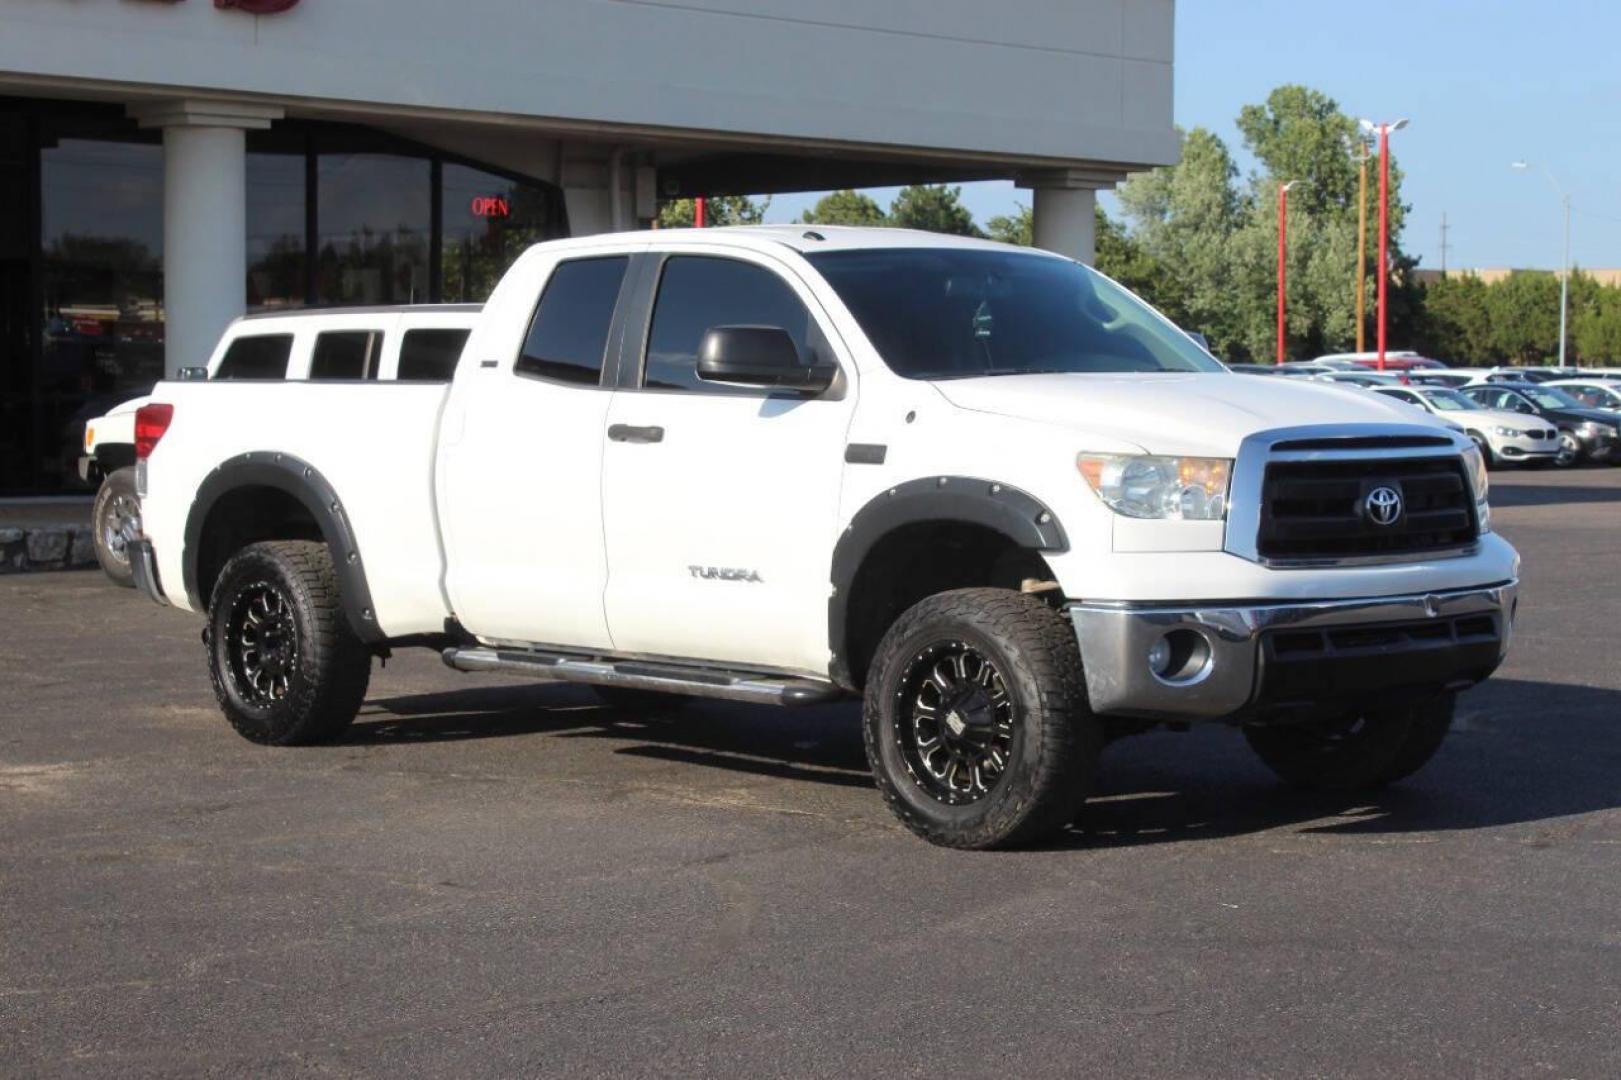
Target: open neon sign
491, 206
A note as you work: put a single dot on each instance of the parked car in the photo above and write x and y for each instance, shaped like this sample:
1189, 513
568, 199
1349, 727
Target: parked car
1395, 360
1501, 436
981, 487
1367, 379
419, 343
1451, 377
1595, 393
1584, 434
1522, 375
1253, 369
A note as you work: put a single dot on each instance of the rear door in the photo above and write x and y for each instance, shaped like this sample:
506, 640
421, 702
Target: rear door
519, 475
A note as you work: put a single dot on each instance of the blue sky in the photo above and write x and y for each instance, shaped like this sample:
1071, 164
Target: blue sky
1483, 81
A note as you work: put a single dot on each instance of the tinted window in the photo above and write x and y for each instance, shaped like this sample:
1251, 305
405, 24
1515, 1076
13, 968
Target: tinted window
263, 356
937, 313
699, 292
569, 332
430, 355
345, 354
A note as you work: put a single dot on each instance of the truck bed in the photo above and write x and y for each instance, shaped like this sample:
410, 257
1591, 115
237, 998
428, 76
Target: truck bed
372, 441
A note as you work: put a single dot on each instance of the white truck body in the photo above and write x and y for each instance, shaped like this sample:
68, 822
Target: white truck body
614, 522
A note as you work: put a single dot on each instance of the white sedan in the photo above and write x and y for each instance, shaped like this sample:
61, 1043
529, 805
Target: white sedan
1501, 436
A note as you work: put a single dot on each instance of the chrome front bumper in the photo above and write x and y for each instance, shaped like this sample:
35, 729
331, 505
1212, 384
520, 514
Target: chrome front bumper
1254, 658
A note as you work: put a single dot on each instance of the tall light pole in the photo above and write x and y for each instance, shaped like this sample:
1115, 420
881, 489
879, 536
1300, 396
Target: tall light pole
1564, 278
1283, 258
1361, 145
1384, 129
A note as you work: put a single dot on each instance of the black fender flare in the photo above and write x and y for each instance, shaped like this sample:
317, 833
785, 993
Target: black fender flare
1002, 508
301, 480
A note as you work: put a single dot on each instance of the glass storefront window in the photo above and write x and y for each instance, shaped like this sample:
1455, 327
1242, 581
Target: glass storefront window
275, 216
488, 222
102, 262
375, 217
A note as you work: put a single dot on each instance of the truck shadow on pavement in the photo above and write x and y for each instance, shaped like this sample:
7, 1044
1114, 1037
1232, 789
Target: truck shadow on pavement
1521, 752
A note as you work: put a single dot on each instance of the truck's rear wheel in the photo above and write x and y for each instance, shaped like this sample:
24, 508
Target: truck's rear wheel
976, 720
1365, 750
286, 666
114, 520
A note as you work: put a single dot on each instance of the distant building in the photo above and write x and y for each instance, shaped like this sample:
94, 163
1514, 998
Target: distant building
1491, 275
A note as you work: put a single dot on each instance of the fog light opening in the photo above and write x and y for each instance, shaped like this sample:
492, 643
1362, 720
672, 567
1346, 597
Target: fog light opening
1180, 657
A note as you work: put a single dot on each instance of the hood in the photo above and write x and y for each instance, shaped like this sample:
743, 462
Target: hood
1206, 413
1502, 418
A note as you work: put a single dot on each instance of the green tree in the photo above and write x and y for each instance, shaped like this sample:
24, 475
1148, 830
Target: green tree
932, 208
845, 207
1524, 310
719, 210
1457, 326
1018, 227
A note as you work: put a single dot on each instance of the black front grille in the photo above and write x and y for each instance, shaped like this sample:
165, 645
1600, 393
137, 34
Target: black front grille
1319, 509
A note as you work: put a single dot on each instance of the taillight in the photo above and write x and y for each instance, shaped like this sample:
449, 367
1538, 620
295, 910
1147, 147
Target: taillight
151, 421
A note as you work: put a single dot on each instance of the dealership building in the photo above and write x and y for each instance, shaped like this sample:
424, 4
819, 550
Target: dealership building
166, 165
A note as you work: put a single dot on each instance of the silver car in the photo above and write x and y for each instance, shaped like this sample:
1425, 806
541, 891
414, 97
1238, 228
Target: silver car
1501, 436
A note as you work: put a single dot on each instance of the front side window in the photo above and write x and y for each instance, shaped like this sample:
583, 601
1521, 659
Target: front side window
940, 313
430, 355
568, 335
1549, 398
346, 354
699, 292
258, 356
1451, 401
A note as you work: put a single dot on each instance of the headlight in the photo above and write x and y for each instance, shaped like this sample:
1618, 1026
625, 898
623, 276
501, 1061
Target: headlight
1145, 486
89, 437
1594, 429
1477, 472
1508, 432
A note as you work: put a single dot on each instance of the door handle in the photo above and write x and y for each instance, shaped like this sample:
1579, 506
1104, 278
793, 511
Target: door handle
632, 434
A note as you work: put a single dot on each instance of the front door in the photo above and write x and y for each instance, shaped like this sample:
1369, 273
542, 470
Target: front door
720, 502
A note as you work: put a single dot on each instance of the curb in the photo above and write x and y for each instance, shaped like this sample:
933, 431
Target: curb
46, 547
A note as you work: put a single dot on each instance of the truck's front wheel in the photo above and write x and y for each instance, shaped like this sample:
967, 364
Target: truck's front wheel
976, 720
1364, 750
286, 666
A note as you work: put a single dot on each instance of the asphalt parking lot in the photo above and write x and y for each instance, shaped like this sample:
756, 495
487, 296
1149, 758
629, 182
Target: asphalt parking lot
494, 877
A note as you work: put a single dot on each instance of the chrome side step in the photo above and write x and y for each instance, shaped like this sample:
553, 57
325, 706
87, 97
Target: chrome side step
645, 675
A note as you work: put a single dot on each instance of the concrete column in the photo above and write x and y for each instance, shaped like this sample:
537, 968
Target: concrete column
204, 220
1065, 208
1066, 222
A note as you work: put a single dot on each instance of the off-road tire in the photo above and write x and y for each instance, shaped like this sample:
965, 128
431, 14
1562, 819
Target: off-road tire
1384, 746
636, 702
1056, 742
116, 491
329, 667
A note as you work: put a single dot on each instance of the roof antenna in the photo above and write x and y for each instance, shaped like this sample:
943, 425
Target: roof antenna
812, 234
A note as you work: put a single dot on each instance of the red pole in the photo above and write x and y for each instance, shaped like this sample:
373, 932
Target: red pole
698, 212
1283, 254
1384, 231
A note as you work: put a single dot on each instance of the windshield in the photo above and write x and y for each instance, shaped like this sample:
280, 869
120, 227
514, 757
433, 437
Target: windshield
1550, 398
939, 313
1451, 401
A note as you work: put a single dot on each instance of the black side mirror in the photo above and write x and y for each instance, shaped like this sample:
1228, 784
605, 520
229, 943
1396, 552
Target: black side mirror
759, 356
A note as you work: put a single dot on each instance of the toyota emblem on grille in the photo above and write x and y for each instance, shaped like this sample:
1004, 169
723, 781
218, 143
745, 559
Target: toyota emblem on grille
1383, 506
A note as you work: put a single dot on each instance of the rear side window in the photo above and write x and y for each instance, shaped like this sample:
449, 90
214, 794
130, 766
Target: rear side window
346, 354
430, 355
260, 356
568, 335
698, 292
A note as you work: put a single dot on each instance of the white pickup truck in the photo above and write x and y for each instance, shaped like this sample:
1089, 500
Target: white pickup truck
984, 487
